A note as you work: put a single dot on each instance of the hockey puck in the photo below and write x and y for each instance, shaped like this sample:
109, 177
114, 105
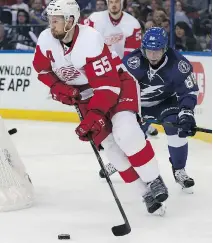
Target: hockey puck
64, 237
12, 131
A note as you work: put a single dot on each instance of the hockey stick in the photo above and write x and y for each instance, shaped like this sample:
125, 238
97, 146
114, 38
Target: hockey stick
118, 230
12, 131
197, 129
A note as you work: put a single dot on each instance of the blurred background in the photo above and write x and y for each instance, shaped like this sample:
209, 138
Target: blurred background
189, 21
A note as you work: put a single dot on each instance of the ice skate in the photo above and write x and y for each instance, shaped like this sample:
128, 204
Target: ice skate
152, 131
158, 189
152, 205
184, 180
109, 168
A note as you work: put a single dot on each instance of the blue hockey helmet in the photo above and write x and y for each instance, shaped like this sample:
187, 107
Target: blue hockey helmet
155, 38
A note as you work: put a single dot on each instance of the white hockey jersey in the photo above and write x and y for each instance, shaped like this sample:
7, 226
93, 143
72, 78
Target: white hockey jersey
122, 36
87, 63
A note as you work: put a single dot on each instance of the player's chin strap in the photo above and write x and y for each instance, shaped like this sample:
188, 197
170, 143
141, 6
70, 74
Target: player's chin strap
68, 31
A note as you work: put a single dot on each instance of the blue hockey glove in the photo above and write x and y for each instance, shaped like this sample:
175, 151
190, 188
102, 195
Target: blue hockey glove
186, 123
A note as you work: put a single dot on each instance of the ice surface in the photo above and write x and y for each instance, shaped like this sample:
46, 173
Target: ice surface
71, 199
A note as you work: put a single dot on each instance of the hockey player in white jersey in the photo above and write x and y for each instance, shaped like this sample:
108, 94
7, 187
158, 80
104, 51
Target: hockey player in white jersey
77, 66
120, 30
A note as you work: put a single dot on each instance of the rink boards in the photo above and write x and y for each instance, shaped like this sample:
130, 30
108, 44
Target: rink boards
24, 97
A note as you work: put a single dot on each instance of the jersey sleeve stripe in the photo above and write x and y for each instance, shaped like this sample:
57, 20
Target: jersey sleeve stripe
194, 93
113, 89
44, 72
129, 49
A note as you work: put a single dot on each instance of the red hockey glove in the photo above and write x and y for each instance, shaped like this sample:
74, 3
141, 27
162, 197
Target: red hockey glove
92, 124
64, 93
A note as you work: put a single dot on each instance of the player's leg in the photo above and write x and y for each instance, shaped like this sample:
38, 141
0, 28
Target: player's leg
121, 163
127, 172
131, 139
147, 129
178, 150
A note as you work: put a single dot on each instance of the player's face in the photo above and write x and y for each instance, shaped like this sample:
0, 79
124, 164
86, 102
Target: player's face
57, 24
114, 6
154, 57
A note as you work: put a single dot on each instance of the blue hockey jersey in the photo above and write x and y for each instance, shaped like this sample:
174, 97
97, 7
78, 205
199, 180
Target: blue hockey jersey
174, 77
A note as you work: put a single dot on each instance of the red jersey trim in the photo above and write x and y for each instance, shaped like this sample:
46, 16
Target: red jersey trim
75, 36
115, 21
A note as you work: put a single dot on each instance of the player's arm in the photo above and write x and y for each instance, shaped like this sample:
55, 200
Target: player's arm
134, 40
133, 63
42, 65
103, 78
187, 89
60, 91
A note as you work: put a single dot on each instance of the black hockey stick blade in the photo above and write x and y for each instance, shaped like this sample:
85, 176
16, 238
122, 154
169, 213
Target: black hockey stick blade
12, 131
121, 230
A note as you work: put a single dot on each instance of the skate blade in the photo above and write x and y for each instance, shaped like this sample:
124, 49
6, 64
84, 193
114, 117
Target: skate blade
188, 190
162, 210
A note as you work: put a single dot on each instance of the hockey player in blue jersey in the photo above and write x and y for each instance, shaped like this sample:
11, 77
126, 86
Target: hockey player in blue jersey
168, 94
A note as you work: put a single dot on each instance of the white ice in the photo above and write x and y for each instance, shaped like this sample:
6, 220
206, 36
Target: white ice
71, 199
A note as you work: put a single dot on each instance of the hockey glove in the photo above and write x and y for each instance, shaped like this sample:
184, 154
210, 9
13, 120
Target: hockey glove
65, 94
186, 122
91, 126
